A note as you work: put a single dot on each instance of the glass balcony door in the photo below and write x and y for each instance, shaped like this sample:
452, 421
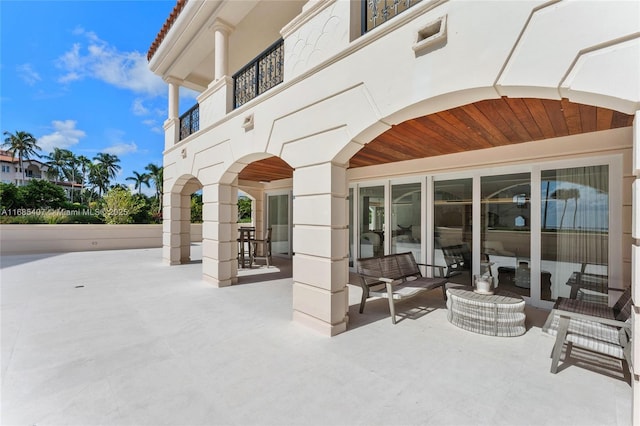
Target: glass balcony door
279, 219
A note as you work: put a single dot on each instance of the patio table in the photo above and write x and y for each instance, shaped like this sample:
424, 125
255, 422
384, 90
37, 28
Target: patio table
498, 314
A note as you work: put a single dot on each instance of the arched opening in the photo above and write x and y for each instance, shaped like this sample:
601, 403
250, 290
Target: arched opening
184, 218
456, 160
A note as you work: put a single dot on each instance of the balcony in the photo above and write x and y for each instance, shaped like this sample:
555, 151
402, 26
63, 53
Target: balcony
260, 75
190, 122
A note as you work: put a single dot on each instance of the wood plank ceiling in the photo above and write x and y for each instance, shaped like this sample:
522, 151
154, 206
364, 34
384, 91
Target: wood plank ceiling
484, 124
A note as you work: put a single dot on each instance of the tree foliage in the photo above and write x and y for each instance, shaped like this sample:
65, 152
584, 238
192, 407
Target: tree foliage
22, 144
42, 194
244, 210
196, 208
9, 196
120, 206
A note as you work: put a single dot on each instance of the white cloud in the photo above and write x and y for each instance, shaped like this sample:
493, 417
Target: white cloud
154, 126
138, 107
27, 74
121, 148
102, 61
64, 136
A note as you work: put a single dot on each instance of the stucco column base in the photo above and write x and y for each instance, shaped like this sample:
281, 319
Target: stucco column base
217, 283
321, 327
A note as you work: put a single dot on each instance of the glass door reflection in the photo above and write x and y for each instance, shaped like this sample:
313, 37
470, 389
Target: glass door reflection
506, 230
371, 215
406, 219
575, 232
278, 219
453, 227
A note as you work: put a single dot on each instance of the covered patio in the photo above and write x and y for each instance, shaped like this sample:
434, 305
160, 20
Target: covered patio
117, 337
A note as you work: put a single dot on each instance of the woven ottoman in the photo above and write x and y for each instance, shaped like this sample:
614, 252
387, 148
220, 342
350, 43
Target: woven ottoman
499, 314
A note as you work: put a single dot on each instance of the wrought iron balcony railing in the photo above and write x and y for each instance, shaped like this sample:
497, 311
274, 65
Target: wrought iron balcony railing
260, 75
376, 12
190, 122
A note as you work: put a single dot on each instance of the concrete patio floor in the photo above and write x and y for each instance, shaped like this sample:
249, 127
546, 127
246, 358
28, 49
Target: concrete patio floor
118, 338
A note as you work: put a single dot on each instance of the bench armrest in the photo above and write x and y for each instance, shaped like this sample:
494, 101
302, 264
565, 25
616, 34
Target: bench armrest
439, 268
592, 318
381, 279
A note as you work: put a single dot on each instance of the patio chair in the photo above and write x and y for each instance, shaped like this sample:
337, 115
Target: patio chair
592, 326
245, 254
262, 248
458, 259
588, 286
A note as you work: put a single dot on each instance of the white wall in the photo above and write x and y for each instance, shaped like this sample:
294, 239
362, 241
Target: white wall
24, 239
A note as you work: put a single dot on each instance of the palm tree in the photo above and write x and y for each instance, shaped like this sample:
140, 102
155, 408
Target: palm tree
23, 144
84, 163
58, 163
72, 172
565, 195
138, 180
156, 175
99, 177
110, 163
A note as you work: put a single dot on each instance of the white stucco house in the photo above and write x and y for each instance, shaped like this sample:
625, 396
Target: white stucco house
362, 128
10, 171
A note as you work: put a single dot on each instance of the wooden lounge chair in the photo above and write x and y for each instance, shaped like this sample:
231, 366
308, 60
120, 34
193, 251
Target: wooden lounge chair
592, 326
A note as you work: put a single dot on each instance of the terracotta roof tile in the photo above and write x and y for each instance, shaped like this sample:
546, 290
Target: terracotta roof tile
165, 28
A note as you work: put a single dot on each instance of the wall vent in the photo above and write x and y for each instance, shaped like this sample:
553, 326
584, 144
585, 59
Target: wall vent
432, 36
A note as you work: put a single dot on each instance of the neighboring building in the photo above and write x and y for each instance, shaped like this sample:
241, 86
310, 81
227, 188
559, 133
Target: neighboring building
505, 127
10, 172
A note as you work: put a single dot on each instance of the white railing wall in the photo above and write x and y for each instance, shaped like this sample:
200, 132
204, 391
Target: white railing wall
28, 239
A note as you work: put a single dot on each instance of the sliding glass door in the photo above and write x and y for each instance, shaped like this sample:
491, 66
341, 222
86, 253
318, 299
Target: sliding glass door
371, 216
406, 217
575, 232
453, 227
541, 230
505, 236
279, 219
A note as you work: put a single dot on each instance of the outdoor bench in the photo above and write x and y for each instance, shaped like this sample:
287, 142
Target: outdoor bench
396, 277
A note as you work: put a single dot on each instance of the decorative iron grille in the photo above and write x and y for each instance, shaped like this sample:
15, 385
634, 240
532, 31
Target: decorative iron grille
376, 12
190, 122
260, 75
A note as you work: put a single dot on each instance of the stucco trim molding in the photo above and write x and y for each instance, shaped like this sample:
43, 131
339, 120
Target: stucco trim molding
304, 17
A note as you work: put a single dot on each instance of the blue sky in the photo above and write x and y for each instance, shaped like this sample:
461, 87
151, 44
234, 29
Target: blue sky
74, 74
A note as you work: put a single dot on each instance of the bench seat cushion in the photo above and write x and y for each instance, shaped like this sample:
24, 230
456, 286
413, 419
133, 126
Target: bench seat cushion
410, 288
